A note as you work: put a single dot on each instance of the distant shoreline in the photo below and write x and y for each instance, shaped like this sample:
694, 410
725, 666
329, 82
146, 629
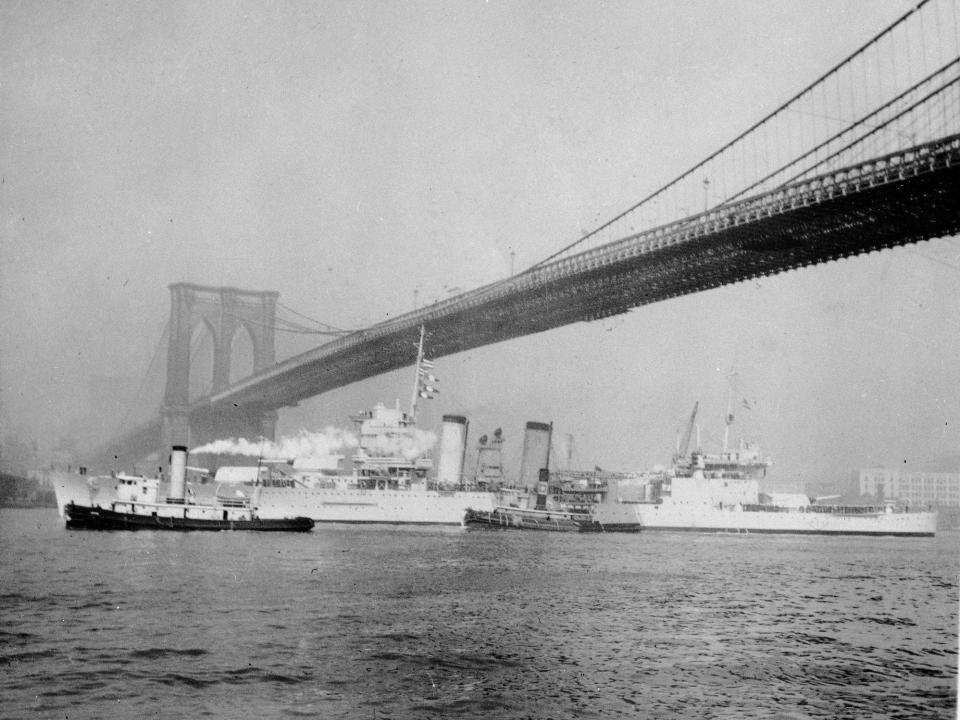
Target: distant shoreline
15, 505
20, 492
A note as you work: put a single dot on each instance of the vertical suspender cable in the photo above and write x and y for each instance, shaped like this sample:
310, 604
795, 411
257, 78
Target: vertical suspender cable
693, 170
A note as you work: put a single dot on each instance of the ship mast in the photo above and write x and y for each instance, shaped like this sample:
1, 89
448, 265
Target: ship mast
416, 380
726, 424
728, 420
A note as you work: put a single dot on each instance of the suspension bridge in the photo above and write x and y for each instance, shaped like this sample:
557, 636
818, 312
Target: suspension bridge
865, 157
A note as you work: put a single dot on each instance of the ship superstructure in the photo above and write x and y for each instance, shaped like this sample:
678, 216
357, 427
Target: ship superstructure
720, 492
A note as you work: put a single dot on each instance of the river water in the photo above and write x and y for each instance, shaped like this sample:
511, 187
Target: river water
437, 622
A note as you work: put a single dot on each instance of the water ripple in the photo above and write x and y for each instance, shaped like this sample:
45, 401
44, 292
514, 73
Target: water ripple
438, 622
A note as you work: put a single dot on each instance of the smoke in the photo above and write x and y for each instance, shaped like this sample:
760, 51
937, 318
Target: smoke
314, 446
410, 445
303, 446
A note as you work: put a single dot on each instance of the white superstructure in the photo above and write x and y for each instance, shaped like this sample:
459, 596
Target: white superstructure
720, 492
387, 481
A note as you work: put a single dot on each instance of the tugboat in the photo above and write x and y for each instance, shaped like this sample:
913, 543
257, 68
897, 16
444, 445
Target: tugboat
560, 505
138, 506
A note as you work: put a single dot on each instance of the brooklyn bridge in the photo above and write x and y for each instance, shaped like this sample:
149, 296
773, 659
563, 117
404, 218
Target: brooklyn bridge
865, 157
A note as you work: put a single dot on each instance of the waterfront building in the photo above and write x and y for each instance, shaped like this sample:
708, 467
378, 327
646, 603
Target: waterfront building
913, 487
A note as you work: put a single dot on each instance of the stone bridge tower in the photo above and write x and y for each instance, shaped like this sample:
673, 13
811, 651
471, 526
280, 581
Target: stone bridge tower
224, 310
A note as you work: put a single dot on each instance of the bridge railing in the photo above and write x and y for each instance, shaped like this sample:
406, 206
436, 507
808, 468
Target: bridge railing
883, 170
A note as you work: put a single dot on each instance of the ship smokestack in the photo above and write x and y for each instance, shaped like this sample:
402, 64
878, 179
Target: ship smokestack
453, 445
178, 474
490, 460
536, 453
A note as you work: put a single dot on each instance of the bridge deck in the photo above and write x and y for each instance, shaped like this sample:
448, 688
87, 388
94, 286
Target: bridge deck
902, 198
896, 200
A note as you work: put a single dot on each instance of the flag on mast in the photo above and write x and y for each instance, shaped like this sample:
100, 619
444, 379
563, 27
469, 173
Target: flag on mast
426, 382
428, 377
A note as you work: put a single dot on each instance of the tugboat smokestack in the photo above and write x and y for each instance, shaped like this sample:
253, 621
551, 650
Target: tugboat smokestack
178, 474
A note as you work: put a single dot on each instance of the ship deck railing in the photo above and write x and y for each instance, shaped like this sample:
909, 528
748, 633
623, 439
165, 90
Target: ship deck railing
831, 509
233, 502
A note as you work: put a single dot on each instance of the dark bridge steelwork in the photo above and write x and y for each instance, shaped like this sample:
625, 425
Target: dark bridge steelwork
898, 199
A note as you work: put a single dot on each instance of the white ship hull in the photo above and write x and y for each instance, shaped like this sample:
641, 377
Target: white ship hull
425, 507
84, 490
668, 516
414, 506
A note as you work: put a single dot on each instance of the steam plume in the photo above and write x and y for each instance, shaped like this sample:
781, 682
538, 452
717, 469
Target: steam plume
409, 446
307, 446
304, 445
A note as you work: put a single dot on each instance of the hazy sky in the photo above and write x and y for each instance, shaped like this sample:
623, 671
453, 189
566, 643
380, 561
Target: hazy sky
350, 154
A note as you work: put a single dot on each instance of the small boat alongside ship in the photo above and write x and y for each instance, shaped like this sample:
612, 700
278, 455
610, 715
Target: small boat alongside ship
526, 519
563, 502
547, 520
139, 506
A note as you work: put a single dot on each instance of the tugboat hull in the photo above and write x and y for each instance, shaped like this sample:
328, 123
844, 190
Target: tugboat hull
80, 517
544, 521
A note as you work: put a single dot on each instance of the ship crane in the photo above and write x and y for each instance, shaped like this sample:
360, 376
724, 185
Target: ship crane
682, 445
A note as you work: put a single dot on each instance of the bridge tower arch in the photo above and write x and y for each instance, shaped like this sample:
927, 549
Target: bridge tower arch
224, 311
